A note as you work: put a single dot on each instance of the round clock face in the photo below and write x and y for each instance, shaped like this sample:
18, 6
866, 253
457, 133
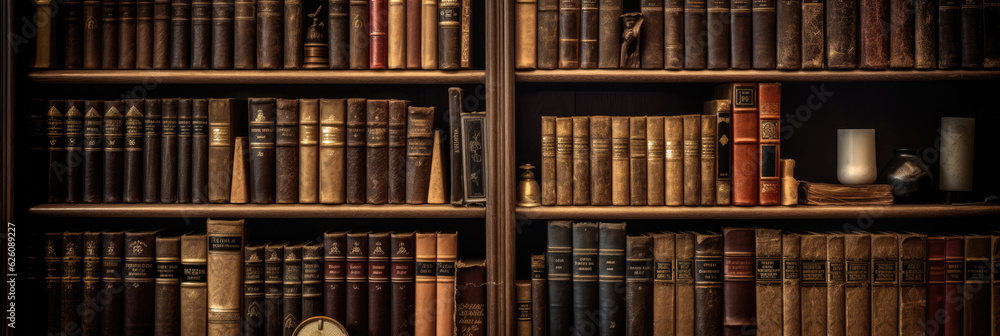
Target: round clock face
320, 326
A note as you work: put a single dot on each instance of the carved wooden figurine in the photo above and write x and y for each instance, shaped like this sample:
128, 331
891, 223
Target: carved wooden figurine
632, 22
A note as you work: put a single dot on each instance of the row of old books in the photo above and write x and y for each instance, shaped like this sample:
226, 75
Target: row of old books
253, 34
766, 34
596, 280
720, 157
135, 283
329, 151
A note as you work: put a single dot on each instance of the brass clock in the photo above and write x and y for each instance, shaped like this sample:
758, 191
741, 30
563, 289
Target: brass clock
320, 326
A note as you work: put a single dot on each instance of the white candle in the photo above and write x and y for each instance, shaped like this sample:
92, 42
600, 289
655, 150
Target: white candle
957, 135
856, 156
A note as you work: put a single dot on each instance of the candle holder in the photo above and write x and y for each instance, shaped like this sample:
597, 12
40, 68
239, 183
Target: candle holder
957, 145
856, 156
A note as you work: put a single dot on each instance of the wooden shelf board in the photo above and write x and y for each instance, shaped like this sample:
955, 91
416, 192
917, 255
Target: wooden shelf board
258, 76
757, 212
683, 76
260, 210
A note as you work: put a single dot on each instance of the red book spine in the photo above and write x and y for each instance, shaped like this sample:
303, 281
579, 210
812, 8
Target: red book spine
954, 260
379, 25
744, 98
770, 143
936, 274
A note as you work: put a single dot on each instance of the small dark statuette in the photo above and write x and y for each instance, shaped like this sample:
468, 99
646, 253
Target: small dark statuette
316, 51
630, 40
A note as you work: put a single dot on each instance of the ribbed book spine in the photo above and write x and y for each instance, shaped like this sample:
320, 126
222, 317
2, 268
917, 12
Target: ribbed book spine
600, 161
581, 160
709, 156
286, 152
379, 245
377, 152
673, 34
857, 288
791, 268
223, 17
220, 150
109, 34
308, 132
194, 289
708, 280
139, 274
548, 34
245, 34
548, 183
885, 284
167, 311
144, 34
332, 137
225, 254
273, 289
449, 32
637, 160
745, 146
312, 280
692, 159
585, 263
559, 267
913, 283
564, 161
813, 281
127, 42
639, 285
201, 34
569, 34
738, 292
768, 282
151, 151
356, 296
539, 295
168, 151
180, 34
291, 296
589, 31
401, 277
356, 140
655, 194
835, 299
270, 33
425, 284
620, 177
664, 320
684, 272
253, 291
447, 256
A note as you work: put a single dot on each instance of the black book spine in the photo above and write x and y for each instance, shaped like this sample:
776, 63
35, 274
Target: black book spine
91, 34
133, 175
223, 18
312, 281
168, 150
559, 266
74, 151
548, 34
378, 284
949, 34
718, 28
291, 299
261, 130
611, 261
357, 284
991, 35
402, 278
113, 128
201, 34
73, 34
53, 274
339, 29
925, 36
93, 153
764, 34
273, 287
585, 258
55, 125
109, 34
789, 42
184, 142
199, 151
111, 282
253, 291
741, 41
695, 34
589, 30
180, 34
151, 152
708, 284
972, 34
126, 34
72, 273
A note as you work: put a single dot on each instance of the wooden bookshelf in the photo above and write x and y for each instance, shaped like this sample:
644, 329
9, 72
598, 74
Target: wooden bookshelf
258, 76
259, 210
722, 76
758, 212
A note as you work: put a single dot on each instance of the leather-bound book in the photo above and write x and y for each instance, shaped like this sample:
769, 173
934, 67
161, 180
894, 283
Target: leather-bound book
134, 129
548, 34
548, 183
194, 290
608, 39
569, 34
378, 272
109, 34
719, 19
414, 30
684, 304
91, 284
72, 33
428, 34
114, 144
949, 34
470, 297
91, 34
245, 34
564, 161
356, 139
589, 34
708, 279
73, 151
332, 136
539, 298
652, 33
339, 33
356, 293
291, 282
220, 149
936, 277
151, 151
225, 255
447, 256
585, 262
525, 29
639, 285
273, 288
168, 150
240, 190
976, 307
925, 37
695, 34
269, 34
874, 34
814, 37
71, 286
161, 34
397, 143
55, 125
199, 150
44, 52
664, 283
359, 41
599, 171
791, 299
741, 42
138, 272
857, 286
673, 133
620, 177
401, 273
835, 299
770, 143
111, 281
913, 283
465, 41
312, 280
813, 281
885, 284
253, 290
991, 38
397, 155
637, 161
167, 311
286, 151
127, 34
788, 22
581, 160
180, 34
425, 286
293, 34
972, 34
334, 274
559, 250
449, 25
655, 167
93, 151
396, 34
308, 151
144, 34
769, 284
842, 33
223, 16
901, 30
673, 34
201, 34
764, 34
692, 159
523, 303
53, 276
745, 147
738, 287
721, 109
708, 155
377, 152
419, 143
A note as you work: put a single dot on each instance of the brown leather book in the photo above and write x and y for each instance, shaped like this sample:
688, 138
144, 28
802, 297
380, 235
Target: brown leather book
308, 150
108, 31
925, 37
286, 152
738, 287
223, 15
425, 287
639, 285
791, 299
168, 151
55, 125
581, 160
332, 137
161, 34
396, 36
600, 161
253, 290
419, 144
111, 280
708, 278
764, 34
637, 161
769, 282
692, 159
664, 321
719, 23
769, 143
239, 193
269, 34
813, 281
71, 33
339, 33
414, 30
356, 293
291, 282
655, 165
245, 34
695, 34
138, 273
788, 22
429, 34
167, 313
991, 37
589, 28
814, 40
548, 34
199, 150
586, 251
976, 308
71, 285
397, 154
114, 144
401, 278
721, 110
949, 34
447, 256
652, 34
539, 299
901, 32
273, 289
151, 151
874, 34
91, 34
194, 290
569, 34
673, 133
608, 39
73, 151
225, 255
835, 299
913, 283
620, 176
355, 154
184, 150
842, 33
201, 34
972, 34
548, 183
44, 51
885, 284
359, 34
708, 154
312, 280
180, 34
91, 284
377, 152
470, 297
465, 40
953, 286
93, 151
144, 34
523, 303
293, 34
525, 34
127, 42
745, 136
378, 272
133, 174
857, 288
449, 34
220, 150
673, 34
334, 274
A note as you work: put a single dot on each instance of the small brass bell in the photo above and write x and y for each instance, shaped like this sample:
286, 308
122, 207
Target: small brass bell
528, 191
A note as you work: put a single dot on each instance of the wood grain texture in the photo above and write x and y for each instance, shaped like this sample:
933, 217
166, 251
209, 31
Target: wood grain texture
258, 77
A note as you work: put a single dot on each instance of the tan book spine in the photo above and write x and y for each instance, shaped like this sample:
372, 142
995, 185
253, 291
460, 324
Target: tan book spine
620, 161
397, 34
692, 159
885, 284
708, 159
447, 255
835, 267
523, 302
564, 161
308, 150
220, 150
600, 160
857, 290
428, 34
225, 276
425, 289
437, 191
194, 289
769, 281
789, 185
791, 320
684, 273
581, 160
637, 160
655, 194
813, 277
548, 183
332, 138
663, 283
673, 133
239, 192
913, 284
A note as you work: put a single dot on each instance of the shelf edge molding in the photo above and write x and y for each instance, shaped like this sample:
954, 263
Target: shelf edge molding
258, 76
692, 76
259, 210
757, 212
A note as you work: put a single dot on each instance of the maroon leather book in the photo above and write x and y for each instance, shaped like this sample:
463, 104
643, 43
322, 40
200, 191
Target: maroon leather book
334, 274
357, 284
977, 276
470, 298
378, 30
745, 150
769, 143
401, 303
936, 276
138, 274
874, 35
378, 284
953, 285
109, 34
738, 286
111, 282
356, 143
144, 34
